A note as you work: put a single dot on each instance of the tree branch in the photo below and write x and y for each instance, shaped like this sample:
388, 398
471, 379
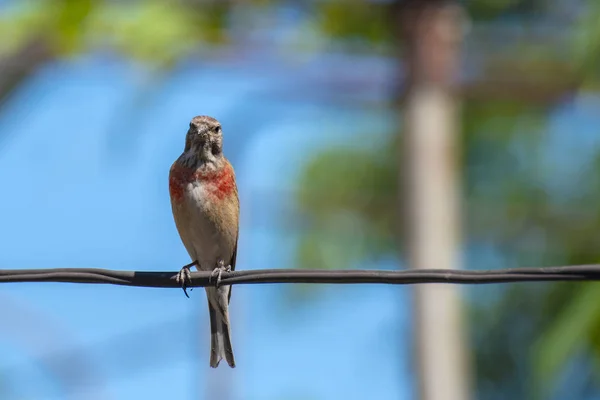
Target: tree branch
17, 67
200, 279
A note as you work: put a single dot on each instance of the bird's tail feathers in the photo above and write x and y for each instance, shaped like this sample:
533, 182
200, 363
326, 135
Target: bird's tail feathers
220, 331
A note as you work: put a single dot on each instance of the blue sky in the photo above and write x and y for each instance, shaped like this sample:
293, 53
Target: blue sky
84, 161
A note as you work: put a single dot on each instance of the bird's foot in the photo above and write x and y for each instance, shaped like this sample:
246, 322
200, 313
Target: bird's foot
184, 277
218, 271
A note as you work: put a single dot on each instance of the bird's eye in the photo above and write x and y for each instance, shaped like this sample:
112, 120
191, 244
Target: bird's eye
218, 129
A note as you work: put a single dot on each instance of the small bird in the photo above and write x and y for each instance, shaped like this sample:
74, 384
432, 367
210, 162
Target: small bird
205, 205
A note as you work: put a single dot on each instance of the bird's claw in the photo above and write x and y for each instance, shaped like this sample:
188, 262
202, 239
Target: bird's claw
184, 277
219, 271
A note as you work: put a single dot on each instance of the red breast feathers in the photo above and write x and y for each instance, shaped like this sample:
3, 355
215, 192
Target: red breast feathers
220, 183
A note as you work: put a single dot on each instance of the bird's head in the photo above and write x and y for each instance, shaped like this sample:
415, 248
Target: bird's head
204, 140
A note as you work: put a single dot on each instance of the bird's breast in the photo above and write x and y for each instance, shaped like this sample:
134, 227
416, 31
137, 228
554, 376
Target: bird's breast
208, 184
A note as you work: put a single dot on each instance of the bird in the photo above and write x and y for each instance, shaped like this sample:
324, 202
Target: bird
206, 207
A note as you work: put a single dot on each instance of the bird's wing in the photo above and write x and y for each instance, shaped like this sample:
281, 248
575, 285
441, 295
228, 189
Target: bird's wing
237, 235
234, 255
236, 199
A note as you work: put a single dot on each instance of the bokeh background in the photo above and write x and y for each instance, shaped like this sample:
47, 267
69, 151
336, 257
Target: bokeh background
95, 99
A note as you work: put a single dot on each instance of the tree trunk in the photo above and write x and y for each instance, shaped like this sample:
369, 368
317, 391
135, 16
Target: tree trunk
432, 34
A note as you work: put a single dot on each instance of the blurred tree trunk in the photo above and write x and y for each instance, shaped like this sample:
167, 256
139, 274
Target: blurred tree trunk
432, 32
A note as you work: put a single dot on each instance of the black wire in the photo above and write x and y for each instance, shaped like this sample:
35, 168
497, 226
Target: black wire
400, 277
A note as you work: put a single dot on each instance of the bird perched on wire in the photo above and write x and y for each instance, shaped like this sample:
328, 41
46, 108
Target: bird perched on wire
205, 204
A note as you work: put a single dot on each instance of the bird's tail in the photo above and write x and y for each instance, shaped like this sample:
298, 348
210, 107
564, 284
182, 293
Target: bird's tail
220, 332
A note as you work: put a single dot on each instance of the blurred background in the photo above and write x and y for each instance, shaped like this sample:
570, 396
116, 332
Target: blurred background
364, 134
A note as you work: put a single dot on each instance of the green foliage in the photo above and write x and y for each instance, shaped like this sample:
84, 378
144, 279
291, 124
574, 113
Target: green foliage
67, 22
576, 327
505, 332
359, 21
17, 25
153, 32
501, 140
491, 9
587, 46
60, 22
156, 32
348, 196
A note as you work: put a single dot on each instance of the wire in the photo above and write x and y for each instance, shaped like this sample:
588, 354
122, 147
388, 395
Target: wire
401, 277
